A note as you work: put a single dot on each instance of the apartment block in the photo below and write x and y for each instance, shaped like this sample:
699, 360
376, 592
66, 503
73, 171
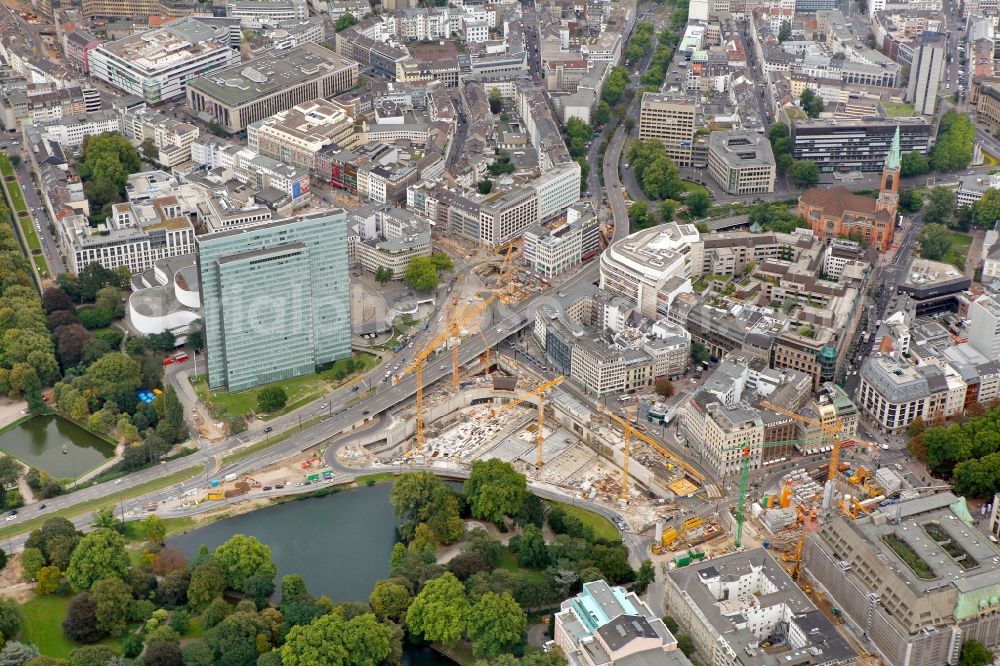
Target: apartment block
70, 130
276, 299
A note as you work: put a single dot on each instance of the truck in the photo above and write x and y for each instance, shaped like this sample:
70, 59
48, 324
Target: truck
229, 477
180, 357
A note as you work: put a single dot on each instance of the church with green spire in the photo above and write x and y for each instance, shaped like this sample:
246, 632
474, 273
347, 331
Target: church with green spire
837, 212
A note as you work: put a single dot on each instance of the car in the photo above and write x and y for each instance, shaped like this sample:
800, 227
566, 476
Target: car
266, 488
268, 429
12, 515
42, 506
366, 412
354, 388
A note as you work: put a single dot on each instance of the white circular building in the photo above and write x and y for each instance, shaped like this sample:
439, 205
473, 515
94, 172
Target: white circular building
652, 267
166, 298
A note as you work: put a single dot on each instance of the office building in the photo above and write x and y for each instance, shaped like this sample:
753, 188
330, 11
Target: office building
505, 215
916, 579
296, 135
393, 254
745, 609
69, 131
893, 393
137, 9
670, 118
651, 267
254, 90
158, 64
741, 162
723, 430
276, 299
861, 144
549, 251
558, 189
609, 626
984, 326
926, 71
256, 14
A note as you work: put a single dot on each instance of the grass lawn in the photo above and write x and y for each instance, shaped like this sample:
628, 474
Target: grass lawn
959, 248
98, 502
898, 109
43, 616
6, 168
134, 533
43, 268
691, 186
603, 529
372, 479
460, 653
508, 561
196, 628
300, 390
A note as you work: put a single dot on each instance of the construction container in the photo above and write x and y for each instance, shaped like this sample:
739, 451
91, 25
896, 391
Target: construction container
216, 495
786, 496
696, 554
214, 483
888, 480
682, 560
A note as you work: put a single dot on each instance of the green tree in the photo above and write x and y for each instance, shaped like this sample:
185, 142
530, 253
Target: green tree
345, 21
234, 640
495, 98
10, 471
197, 653
614, 85
638, 215
494, 489
208, 582
293, 587
914, 164
685, 644
111, 598
602, 114
115, 377
154, 529
939, 206
665, 388
953, 149
987, 210
496, 625
161, 342
31, 561
973, 654
271, 399
699, 353
806, 174
421, 274
645, 576
698, 202
163, 653
15, 653
910, 200
332, 641
810, 102
11, 617
935, 241
530, 548
149, 149
243, 557
383, 275
784, 34
195, 335
439, 613
49, 579
101, 554
104, 518
484, 186
389, 600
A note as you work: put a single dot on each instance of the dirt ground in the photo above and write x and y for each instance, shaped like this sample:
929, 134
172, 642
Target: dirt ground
11, 410
11, 582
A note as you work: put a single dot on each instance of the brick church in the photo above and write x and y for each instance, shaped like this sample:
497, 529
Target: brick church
838, 212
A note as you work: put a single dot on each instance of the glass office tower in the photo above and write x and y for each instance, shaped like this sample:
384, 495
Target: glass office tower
276, 299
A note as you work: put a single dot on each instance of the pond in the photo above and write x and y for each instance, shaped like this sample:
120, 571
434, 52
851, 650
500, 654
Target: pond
340, 545
56, 445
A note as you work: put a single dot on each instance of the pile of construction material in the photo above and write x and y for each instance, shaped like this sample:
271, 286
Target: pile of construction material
805, 490
776, 520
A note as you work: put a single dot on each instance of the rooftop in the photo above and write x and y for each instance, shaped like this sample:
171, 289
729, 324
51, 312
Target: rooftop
269, 74
178, 40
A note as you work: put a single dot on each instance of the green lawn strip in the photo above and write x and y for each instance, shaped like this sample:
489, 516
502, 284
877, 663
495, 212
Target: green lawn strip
898, 109
135, 534
300, 391
6, 168
603, 529
98, 502
691, 186
43, 268
372, 479
43, 616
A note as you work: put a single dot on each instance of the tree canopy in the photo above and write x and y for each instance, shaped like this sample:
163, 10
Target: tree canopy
439, 613
495, 489
953, 149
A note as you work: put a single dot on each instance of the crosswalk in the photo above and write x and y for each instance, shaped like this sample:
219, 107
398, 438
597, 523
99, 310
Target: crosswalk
713, 490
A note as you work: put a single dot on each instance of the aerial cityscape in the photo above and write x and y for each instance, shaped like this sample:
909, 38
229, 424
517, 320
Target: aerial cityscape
500, 332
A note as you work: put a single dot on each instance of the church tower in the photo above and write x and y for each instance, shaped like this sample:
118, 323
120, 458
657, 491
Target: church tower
888, 196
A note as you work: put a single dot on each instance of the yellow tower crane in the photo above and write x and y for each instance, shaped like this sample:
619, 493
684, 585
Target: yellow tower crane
538, 391
451, 331
656, 446
829, 427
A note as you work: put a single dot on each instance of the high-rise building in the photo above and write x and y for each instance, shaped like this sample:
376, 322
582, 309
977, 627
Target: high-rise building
669, 118
856, 144
926, 71
984, 326
276, 299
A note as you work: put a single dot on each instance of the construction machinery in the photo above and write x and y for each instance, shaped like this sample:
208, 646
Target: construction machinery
829, 427
451, 332
538, 391
507, 289
745, 450
674, 459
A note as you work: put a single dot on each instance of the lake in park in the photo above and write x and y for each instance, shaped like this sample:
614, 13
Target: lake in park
56, 445
340, 544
